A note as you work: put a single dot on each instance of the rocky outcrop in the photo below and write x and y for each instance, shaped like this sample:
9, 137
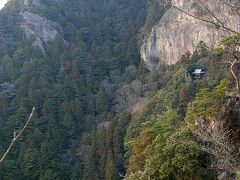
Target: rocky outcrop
220, 139
28, 3
5, 37
8, 89
38, 29
127, 96
39, 3
176, 33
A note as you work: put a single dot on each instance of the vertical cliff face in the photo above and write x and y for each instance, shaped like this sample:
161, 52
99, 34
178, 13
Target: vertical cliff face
176, 33
36, 28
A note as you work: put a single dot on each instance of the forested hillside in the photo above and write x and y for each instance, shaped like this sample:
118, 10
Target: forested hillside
76, 84
175, 136
100, 113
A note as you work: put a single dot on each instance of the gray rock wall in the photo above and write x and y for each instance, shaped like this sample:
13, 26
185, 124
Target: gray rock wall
38, 29
176, 33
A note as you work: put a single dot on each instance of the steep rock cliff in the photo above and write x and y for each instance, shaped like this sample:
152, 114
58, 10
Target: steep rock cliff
32, 2
176, 33
38, 29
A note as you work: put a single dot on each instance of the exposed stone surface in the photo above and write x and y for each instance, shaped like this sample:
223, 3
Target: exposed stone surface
8, 89
127, 96
38, 28
176, 33
32, 2
5, 37
39, 3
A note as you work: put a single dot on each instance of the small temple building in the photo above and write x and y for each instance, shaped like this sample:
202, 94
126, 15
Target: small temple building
198, 73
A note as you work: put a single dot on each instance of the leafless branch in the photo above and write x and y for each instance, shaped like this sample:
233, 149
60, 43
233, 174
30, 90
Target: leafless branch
16, 136
236, 9
211, 13
218, 24
218, 141
234, 75
232, 58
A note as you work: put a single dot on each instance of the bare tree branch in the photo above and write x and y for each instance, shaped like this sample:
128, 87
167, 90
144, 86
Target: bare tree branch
219, 136
236, 9
210, 12
219, 144
218, 24
16, 136
234, 75
231, 57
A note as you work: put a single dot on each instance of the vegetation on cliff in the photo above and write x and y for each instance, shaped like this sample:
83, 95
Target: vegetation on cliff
100, 114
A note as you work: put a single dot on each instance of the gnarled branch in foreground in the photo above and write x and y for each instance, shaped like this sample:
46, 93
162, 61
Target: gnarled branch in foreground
16, 136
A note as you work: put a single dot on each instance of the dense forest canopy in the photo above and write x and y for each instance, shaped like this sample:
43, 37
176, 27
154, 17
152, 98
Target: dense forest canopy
100, 114
76, 87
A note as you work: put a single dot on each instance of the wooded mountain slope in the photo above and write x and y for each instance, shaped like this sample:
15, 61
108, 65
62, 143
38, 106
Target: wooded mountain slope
100, 114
